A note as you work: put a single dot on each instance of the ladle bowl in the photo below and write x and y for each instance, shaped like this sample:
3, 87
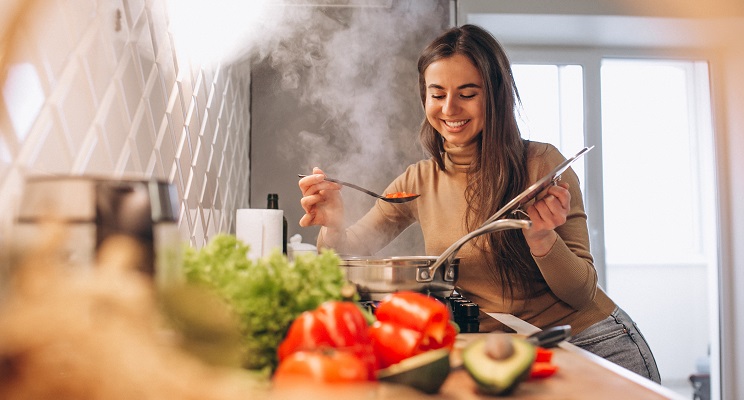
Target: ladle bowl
402, 199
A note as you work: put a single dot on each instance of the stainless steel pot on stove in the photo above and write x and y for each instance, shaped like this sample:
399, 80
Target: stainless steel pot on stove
375, 278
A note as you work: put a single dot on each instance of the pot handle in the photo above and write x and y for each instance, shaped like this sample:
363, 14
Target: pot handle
426, 274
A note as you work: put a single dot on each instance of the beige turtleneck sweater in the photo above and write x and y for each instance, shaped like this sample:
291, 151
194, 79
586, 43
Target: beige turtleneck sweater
568, 294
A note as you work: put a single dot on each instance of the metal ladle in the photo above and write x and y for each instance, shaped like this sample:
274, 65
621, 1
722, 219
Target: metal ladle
369, 192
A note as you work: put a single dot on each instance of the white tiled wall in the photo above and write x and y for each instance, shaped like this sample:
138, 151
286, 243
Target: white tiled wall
96, 87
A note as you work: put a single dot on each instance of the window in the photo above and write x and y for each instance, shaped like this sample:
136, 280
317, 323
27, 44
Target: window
552, 107
653, 179
651, 126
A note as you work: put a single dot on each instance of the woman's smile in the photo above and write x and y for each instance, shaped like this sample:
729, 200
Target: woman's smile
455, 126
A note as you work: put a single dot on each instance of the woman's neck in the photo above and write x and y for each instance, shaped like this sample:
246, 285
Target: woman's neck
460, 157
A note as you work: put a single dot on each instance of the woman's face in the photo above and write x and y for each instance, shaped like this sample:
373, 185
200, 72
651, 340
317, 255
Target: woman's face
455, 103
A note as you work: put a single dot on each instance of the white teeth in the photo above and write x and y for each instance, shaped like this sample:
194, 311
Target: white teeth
455, 124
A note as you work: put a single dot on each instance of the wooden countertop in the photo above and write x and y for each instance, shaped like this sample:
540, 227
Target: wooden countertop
581, 375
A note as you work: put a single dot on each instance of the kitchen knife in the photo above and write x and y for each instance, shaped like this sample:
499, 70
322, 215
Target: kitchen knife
550, 337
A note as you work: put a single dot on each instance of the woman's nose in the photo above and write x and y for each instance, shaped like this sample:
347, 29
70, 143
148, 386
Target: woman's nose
451, 106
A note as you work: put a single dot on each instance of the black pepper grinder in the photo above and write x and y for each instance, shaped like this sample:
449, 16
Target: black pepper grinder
273, 204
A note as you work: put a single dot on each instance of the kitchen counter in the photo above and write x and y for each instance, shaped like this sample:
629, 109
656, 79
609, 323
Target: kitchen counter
581, 375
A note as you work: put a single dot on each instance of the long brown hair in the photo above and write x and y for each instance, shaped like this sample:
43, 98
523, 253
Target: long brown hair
499, 171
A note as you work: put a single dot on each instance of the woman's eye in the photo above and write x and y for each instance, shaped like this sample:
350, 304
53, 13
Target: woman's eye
468, 96
437, 96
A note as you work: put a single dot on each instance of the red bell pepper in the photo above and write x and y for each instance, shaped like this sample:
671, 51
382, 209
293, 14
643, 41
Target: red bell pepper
542, 367
447, 341
410, 323
306, 332
543, 355
542, 370
393, 343
334, 324
327, 365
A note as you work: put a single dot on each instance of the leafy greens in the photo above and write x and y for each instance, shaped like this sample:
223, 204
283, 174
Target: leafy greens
266, 294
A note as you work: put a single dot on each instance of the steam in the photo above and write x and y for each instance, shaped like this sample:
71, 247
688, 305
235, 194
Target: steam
347, 61
343, 56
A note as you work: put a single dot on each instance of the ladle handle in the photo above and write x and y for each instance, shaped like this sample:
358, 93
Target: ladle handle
426, 274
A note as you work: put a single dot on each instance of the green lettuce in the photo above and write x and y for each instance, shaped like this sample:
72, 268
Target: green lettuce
266, 294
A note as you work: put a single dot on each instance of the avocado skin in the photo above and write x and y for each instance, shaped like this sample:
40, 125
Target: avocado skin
425, 372
498, 377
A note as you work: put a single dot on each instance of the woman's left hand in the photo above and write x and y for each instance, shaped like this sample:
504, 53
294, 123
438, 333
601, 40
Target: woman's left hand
546, 214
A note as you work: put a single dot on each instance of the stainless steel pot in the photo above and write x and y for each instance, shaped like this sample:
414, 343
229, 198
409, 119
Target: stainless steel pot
375, 278
93, 209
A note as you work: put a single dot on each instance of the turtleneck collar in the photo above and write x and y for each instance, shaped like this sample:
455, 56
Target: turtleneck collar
459, 158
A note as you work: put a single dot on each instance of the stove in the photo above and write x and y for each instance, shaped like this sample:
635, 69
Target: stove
463, 312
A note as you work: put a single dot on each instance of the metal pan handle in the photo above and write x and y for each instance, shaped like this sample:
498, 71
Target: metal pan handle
426, 274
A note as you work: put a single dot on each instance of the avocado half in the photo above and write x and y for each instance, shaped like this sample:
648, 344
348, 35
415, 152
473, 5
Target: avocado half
425, 372
498, 377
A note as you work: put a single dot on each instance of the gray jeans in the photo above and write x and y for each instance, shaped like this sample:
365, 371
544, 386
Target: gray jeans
618, 339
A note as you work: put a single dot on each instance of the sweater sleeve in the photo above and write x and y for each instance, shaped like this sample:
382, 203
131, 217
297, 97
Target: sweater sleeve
568, 268
378, 227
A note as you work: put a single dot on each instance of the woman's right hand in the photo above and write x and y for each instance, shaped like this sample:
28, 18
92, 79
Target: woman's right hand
321, 201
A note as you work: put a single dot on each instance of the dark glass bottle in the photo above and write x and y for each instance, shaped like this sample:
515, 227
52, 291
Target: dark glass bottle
273, 204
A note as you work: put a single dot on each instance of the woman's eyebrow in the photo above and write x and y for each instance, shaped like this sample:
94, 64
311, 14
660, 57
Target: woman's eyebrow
469, 85
465, 86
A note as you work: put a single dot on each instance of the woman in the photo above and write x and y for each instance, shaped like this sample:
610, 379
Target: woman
544, 275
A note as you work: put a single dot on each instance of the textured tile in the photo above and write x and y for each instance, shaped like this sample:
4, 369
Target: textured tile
126, 165
191, 129
74, 100
54, 39
144, 54
143, 136
134, 10
98, 60
115, 27
129, 81
116, 100
157, 25
164, 145
155, 95
99, 159
183, 157
50, 155
116, 123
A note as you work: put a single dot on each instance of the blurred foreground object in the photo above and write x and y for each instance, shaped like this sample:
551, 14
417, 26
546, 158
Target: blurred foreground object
77, 333
96, 208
